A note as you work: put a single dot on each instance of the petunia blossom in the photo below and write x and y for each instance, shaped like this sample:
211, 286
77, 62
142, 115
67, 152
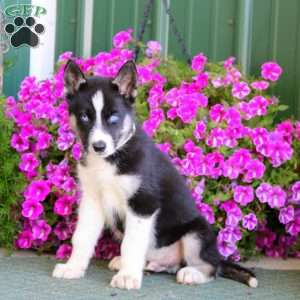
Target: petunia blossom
271, 71
250, 221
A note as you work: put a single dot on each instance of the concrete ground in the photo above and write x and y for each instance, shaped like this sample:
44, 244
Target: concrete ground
24, 276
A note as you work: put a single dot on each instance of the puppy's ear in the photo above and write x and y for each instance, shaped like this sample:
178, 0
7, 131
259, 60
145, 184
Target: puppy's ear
126, 80
73, 78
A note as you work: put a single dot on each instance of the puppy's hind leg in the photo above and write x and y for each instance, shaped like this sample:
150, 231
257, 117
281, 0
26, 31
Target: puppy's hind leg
115, 263
200, 256
88, 230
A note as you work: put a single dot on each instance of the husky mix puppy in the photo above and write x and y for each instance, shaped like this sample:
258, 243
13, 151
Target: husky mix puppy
127, 184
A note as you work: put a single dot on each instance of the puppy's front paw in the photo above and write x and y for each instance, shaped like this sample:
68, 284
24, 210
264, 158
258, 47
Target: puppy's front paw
115, 264
68, 271
126, 281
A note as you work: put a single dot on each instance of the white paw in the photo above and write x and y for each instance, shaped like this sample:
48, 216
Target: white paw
68, 271
126, 281
115, 264
155, 267
190, 275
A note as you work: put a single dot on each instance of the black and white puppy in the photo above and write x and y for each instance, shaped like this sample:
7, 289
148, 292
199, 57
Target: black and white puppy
126, 182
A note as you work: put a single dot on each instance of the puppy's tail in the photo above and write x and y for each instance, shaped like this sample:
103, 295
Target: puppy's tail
235, 272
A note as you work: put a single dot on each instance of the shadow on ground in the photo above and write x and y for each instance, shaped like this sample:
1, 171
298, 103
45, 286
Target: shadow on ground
30, 278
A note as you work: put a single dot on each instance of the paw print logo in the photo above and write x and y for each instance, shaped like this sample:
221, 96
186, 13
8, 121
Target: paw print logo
24, 32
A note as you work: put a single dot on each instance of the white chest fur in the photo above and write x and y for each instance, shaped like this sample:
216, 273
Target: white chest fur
100, 182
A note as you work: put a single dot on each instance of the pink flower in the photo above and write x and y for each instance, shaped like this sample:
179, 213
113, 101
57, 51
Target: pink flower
263, 192
76, 151
155, 119
156, 95
240, 90
243, 194
254, 169
62, 231
64, 251
234, 165
24, 239
277, 197
65, 140
198, 62
28, 131
201, 80
217, 82
190, 146
187, 112
234, 213
226, 249
230, 234
107, 248
32, 209
227, 239
293, 228
228, 63
207, 212
122, 38
231, 169
29, 162
199, 132
233, 75
233, 117
58, 174
40, 230
286, 129
260, 85
164, 147
19, 143
271, 71
153, 48
259, 136
279, 151
37, 190
69, 185
295, 189
199, 190
65, 56
22, 118
236, 256
63, 205
43, 140
241, 157
216, 138
286, 214
172, 113
258, 106
217, 113
214, 161
250, 221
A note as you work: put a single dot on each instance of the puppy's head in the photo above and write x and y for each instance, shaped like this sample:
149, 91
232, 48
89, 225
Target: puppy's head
101, 109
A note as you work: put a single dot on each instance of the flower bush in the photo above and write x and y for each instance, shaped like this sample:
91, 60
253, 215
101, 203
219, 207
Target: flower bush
216, 125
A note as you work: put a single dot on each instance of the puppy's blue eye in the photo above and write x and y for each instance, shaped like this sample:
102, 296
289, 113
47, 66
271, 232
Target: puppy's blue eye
113, 119
84, 118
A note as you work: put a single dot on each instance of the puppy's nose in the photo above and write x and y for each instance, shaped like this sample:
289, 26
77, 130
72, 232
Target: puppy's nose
99, 146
